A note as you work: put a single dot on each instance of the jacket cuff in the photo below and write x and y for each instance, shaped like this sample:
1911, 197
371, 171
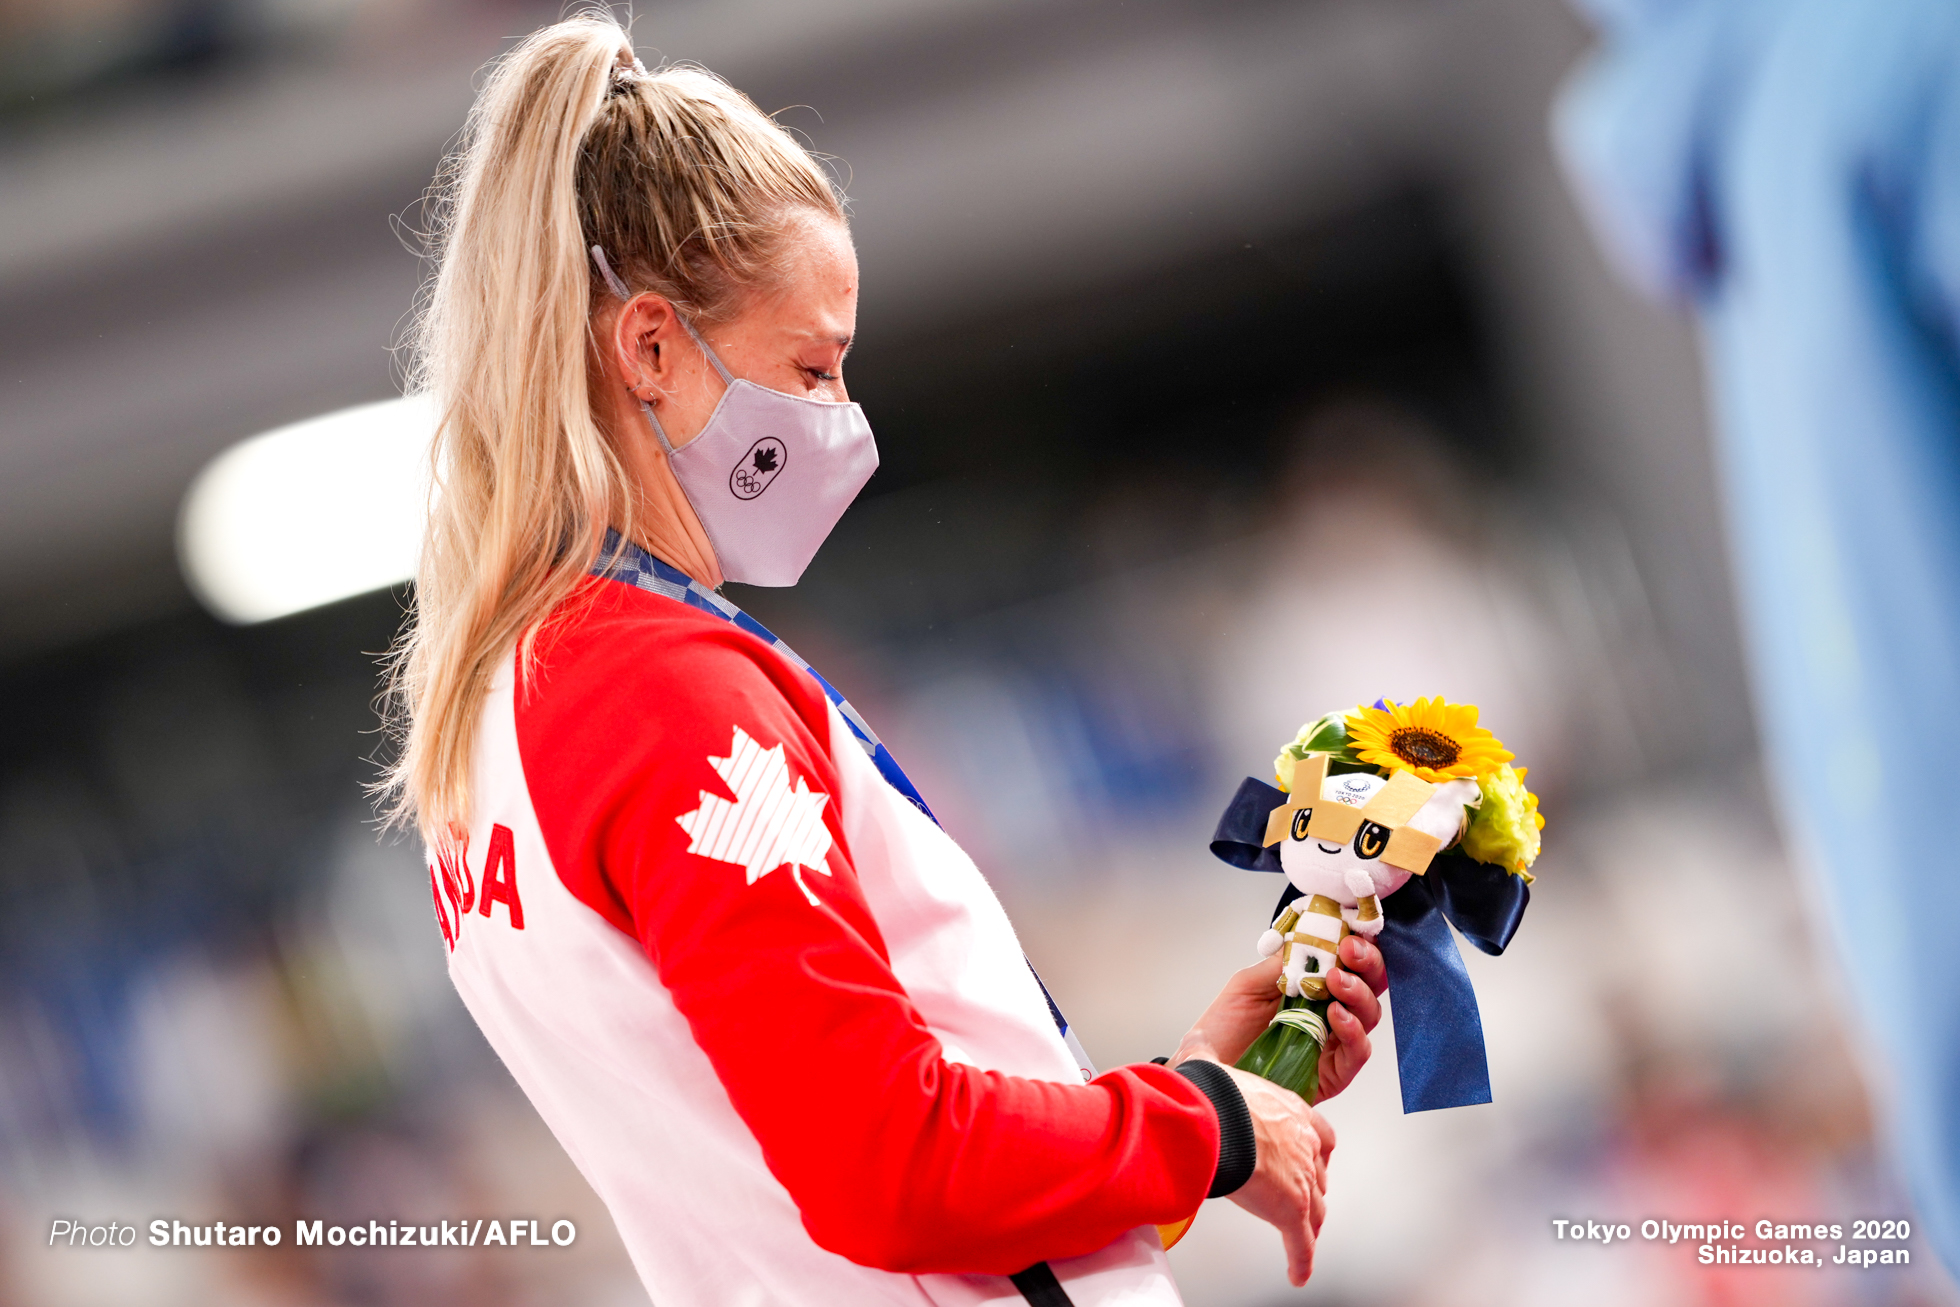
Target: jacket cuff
1238, 1150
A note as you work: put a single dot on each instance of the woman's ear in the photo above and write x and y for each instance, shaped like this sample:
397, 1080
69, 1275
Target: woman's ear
642, 338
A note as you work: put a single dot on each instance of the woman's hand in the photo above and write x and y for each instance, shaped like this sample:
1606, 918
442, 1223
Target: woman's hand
1242, 1009
1288, 1188
1356, 1009
1246, 1005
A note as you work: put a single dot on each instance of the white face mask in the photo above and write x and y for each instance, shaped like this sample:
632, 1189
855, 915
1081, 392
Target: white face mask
770, 474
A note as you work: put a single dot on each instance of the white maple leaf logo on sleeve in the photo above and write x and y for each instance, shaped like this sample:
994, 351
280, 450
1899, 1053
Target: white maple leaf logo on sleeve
769, 825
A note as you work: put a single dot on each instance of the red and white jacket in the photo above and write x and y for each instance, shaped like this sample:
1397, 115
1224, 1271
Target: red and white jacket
774, 1013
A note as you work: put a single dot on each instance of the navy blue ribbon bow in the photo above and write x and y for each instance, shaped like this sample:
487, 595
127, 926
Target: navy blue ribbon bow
1439, 1036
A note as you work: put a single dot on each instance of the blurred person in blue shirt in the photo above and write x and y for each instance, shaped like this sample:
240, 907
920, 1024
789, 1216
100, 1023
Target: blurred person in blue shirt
1792, 168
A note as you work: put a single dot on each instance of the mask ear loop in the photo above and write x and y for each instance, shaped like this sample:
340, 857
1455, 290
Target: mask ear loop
618, 288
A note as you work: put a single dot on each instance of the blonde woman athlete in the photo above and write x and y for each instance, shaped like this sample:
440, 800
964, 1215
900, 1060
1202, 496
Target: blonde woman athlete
771, 1010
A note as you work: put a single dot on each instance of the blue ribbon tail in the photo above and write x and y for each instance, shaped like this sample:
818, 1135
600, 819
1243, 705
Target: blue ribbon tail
1439, 1034
1241, 833
1485, 903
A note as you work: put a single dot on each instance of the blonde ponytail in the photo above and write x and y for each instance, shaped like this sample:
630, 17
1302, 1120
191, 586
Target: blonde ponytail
688, 187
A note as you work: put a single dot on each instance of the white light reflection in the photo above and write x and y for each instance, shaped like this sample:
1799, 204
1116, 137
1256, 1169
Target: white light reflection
311, 513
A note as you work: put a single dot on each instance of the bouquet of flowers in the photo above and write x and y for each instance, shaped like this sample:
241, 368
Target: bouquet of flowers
1372, 798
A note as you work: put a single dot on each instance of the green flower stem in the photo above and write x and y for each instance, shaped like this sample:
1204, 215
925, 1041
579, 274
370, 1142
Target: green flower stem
1287, 1055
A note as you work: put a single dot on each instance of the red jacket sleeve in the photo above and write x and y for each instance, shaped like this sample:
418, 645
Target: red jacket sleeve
896, 1158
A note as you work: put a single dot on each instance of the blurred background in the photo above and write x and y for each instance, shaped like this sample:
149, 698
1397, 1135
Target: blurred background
1230, 362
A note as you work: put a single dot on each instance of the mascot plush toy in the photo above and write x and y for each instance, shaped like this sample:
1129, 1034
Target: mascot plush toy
1396, 822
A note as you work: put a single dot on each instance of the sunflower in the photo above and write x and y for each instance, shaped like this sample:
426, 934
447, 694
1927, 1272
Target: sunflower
1435, 739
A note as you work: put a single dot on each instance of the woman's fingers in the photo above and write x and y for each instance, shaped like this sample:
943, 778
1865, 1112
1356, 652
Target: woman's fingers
1298, 1239
1241, 1010
1253, 988
1359, 955
1314, 1182
1325, 1129
1346, 1053
1359, 998
1347, 1028
1348, 1058
1288, 1183
1357, 1009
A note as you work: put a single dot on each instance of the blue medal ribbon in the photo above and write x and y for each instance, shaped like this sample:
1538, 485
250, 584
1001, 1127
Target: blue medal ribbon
1439, 1034
622, 560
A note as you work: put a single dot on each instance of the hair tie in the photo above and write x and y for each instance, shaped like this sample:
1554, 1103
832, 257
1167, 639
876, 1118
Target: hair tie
627, 70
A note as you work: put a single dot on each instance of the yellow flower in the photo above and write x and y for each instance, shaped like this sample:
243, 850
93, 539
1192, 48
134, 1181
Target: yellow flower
1435, 739
1504, 831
